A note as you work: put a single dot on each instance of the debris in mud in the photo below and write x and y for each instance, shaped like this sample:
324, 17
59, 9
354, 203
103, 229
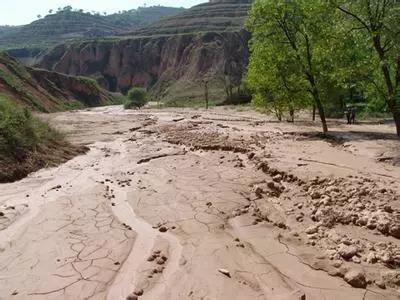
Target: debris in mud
178, 119
132, 297
148, 159
356, 278
225, 272
347, 252
135, 128
57, 187
204, 140
138, 292
163, 229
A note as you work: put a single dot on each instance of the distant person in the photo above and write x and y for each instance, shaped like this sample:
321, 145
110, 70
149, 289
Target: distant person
353, 115
348, 114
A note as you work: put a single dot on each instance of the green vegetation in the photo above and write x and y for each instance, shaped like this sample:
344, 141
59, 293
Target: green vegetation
28, 144
46, 91
20, 132
325, 54
137, 98
205, 17
67, 24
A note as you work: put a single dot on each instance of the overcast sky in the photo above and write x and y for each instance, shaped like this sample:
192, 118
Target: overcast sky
19, 12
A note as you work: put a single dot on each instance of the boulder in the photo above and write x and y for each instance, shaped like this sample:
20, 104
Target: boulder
356, 278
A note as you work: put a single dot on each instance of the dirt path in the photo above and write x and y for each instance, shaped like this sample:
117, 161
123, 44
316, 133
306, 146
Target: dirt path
186, 204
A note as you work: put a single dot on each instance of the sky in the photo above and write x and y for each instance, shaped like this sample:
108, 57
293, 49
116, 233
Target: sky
20, 12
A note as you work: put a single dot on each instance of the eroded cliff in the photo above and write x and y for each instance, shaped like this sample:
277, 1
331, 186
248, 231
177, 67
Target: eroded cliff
173, 57
173, 67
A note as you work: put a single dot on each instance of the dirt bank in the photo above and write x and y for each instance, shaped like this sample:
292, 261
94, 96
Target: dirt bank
188, 204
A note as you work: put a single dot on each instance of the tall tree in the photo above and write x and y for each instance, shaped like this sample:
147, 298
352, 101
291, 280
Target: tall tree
378, 23
295, 33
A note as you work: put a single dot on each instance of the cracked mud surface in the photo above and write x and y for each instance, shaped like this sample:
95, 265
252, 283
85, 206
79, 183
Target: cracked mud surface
182, 204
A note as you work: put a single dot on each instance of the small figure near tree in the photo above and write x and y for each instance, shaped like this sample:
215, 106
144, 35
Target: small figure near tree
353, 115
137, 98
350, 112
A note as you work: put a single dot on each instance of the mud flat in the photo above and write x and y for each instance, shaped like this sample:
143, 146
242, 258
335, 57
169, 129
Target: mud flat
219, 204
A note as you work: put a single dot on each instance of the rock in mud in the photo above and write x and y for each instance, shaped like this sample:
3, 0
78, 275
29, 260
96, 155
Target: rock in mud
163, 229
381, 284
347, 252
225, 272
391, 279
312, 230
138, 292
356, 278
394, 230
132, 297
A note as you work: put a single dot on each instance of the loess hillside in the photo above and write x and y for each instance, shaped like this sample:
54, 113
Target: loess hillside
69, 24
46, 91
171, 57
212, 16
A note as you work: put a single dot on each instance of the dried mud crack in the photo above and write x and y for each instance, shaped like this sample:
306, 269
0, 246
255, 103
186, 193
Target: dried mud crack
171, 204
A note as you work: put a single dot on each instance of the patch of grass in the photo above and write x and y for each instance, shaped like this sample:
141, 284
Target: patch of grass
21, 132
192, 103
28, 144
137, 98
73, 105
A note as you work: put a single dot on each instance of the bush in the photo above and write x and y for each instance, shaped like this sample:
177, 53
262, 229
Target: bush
137, 97
20, 132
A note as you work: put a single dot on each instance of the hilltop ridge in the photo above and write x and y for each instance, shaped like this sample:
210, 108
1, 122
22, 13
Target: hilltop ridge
68, 24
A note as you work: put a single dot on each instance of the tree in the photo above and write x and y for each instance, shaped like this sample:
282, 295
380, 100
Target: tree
205, 84
50, 11
296, 33
137, 98
39, 16
275, 82
377, 24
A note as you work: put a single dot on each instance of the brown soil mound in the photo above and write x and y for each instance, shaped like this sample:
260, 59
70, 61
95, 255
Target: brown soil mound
48, 155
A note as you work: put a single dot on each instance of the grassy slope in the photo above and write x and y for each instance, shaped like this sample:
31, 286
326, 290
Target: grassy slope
206, 17
28, 144
70, 25
47, 91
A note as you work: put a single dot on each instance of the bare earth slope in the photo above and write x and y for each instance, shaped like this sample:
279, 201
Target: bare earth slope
171, 57
175, 204
46, 91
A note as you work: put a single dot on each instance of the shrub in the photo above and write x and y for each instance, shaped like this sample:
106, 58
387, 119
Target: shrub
137, 97
20, 132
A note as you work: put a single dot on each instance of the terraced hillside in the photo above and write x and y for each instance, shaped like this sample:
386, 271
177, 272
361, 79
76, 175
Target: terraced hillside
213, 16
173, 57
46, 91
6, 30
67, 25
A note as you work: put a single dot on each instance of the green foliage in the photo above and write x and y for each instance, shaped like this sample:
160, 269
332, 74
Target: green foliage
20, 132
70, 24
290, 47
375, 28
137, 98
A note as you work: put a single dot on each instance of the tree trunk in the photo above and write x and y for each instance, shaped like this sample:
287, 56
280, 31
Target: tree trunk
314, 108
321, 111
278, 114
206, 93
396, 117
291, 112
